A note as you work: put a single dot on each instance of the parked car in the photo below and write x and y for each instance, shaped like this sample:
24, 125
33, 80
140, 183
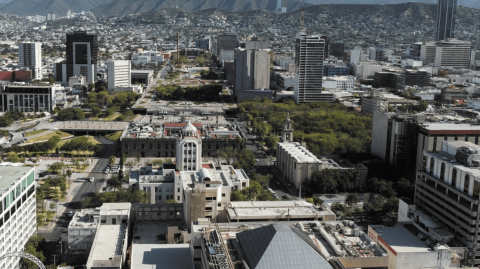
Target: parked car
286, 196
70, 214
92, 179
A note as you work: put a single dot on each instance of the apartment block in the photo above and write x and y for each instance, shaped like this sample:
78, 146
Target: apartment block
30, 55
309, 56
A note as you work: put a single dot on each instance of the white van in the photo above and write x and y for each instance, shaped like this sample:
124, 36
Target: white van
92, 179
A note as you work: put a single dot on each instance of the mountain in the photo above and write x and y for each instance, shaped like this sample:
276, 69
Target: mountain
466, 3
44, 7
126, 7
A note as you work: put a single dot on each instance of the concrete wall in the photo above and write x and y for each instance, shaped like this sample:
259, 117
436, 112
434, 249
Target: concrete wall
363, 262
158, 212
252, 70
81, 239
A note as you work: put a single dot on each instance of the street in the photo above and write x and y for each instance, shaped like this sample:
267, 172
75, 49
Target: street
79, 191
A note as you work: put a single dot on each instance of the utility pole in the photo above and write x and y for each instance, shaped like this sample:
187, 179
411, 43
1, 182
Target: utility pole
178, 48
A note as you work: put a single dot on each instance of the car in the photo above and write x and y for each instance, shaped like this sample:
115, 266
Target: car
92, 179
278, 182
70, 214
257, 160
286, 196
387, 220
107, 171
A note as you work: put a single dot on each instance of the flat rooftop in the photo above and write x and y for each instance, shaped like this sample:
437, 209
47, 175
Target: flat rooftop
147, 232
162, 256
401, 239
10, 175
107, 244
91, 125
272, 209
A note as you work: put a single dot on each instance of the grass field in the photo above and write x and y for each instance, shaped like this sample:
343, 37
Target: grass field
35, 132
112, 117
48, 136
115, 136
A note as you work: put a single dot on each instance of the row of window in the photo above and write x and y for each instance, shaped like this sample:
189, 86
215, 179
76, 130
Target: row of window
443, 174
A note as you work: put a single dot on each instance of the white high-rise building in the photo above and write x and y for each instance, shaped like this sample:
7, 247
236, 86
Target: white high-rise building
453, 53
189, 149
69, 13
119, 74
279, 6
18, 219
30, 55
309, 56
53, 17
49, 17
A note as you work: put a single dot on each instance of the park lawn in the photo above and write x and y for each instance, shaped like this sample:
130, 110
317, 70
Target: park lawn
35, 132
47, 214
48, 136
114, 136
91, 140
112, 117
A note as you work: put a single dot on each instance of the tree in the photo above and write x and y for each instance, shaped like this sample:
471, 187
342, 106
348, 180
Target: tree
71, 114
33, 248
339, 207
111, 160
114, 182
96, 111
352, 198
237, 195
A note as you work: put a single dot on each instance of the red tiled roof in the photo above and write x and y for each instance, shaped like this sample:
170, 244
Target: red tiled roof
206, 166
173, 124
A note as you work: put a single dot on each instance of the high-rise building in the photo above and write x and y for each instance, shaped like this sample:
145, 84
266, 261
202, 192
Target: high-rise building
119, 74
447, 189
446, 11
453, 53
30, 55
49, 17
228, 41
18, 220
309, 56
53, 17
252, 70
82, 53
279, 6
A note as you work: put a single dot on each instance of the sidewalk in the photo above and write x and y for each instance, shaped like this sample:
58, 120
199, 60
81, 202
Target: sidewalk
61, 208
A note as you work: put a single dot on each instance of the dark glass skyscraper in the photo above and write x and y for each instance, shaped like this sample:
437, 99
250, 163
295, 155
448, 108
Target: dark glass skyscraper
446, 11
82, 47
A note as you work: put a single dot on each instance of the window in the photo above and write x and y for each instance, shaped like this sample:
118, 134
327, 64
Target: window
432, 164
178, 197
208, 208
223, 194
143, 146
454, 177
219, 205
126, 145
178, 189
159, 146
156, 189
442, 171
466, 183
151, 146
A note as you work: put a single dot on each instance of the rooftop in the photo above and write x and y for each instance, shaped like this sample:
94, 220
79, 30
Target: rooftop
10, 175
107, 247
401, 239
164, 256
273, 210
